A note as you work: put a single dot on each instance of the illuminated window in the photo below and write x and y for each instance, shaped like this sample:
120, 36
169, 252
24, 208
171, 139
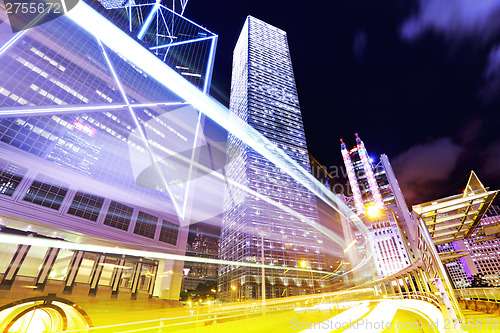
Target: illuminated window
118, 216
169, 232
10, 177
86, 206
43, 192
145, 225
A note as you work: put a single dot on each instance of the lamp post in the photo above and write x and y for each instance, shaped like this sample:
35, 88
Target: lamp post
304, 264
234, 292
263, 270
262, 231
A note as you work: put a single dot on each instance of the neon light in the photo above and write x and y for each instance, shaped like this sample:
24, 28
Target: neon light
81, 126
148, 20
180, 43
372, 183
208, 73
190, 74
5, 112
358, 201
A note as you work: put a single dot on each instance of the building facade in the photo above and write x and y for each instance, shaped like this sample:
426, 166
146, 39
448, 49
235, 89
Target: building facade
484, 249
195, 273
264, 95
459, 272
86, 145
377, 199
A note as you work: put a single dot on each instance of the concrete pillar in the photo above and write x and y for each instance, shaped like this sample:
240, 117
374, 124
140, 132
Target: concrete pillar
14, 266
73, 268
48, 263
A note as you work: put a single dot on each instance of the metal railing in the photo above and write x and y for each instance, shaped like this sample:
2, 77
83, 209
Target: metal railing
482, 294
418, 295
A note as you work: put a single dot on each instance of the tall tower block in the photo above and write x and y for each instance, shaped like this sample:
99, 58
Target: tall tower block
379, 202
263, 93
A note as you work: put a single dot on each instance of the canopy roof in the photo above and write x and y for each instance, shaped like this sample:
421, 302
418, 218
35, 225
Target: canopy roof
456, 217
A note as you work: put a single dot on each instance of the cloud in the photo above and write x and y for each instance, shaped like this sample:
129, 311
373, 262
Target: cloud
457, 20
420, 169
493, 67
471, 131
492, 75
490, 161
359, 44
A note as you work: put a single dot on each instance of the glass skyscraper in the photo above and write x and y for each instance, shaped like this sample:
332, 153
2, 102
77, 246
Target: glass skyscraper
264, 95
377, 198
88, 146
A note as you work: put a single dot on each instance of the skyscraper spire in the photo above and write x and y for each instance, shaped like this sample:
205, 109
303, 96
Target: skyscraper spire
358, 200
372, 183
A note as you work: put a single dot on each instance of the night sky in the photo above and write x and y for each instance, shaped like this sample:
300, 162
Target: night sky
418, 80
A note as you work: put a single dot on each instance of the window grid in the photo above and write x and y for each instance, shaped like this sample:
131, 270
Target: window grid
43, 192
145, 225
118, 216
10, 177
86, 206
169, 232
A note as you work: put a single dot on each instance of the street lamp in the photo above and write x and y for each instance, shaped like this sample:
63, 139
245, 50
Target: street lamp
263, 272
262, 231
304, 264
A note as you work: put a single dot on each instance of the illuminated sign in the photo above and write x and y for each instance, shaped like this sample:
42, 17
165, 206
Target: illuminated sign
87, 129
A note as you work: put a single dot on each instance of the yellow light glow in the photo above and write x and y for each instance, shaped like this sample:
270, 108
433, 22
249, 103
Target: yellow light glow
350, 245
233, 287
303, 264
114, 266
372, 211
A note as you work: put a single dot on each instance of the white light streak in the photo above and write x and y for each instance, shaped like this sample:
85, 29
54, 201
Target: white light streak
118, 41
45, 242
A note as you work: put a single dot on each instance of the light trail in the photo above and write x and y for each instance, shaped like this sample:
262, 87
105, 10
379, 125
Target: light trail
231, 311
33, 241
341, 320
119, 42
114, 38
350, 245
381, 317
382, 314
71, 109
